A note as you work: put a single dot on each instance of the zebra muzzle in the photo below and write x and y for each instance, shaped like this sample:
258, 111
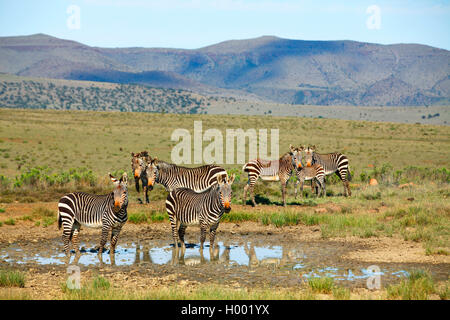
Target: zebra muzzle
116, 205
227, 206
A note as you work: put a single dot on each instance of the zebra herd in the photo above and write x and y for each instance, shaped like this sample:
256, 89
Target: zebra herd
198, 195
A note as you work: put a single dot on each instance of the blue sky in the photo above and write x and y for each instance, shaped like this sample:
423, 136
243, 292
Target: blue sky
197, 23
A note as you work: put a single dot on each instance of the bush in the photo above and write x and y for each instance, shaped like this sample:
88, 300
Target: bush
43, 177
387, 175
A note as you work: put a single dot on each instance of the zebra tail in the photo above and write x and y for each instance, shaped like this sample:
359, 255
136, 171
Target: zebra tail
59, 221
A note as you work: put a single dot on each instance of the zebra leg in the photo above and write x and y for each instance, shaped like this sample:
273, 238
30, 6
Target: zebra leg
212, 236
315, 187
174, 225
320, 186
181, 233
202, 236
295, 188
136, 183
67, 237
324, 188
105, 232
146, 194
75, 241
252, 195
348, 192
114, 237
250, 185
283, 192
302, 182
244, 197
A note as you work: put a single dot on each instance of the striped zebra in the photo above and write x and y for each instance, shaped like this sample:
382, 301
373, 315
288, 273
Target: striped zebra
172, 176
270, 170
186, 207
138, 165
333, 163
314, 172
108, 212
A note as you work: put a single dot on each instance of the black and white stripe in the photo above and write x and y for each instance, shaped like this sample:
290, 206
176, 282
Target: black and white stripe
138, 164
172, 176
269, 170
334, 163
316, 173
185, 207
108, 212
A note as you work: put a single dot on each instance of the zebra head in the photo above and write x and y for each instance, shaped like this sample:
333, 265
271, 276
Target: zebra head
296, 154
120, 191
309, 155
138, 163
152, 172
224, 186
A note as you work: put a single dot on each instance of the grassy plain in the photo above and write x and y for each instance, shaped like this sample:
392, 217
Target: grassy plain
44, 154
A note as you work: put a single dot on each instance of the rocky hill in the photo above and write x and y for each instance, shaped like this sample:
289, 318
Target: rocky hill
268, 68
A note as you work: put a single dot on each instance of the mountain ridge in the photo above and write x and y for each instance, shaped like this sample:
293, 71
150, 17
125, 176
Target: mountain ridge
339, 72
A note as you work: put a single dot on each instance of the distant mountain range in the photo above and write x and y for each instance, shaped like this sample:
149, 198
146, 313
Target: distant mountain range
266, 68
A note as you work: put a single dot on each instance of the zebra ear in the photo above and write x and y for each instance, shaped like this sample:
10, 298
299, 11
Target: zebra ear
124, 178
231, 179
132, 154
114, 180
220, 179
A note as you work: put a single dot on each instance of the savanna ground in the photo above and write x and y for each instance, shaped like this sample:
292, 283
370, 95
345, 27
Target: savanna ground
400, 224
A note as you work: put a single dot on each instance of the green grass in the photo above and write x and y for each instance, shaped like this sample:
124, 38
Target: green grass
102, 143
42, 212
141, 216
100, 283
321, 285
12, 279
100, 288
9, 222
418, 286
341, 293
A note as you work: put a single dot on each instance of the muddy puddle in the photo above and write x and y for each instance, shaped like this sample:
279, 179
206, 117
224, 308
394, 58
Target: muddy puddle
249, 260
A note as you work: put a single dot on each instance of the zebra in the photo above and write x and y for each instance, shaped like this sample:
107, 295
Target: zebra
314, 172
108, 212
172, 176
185, 206
333, 163
270, 170
138, 165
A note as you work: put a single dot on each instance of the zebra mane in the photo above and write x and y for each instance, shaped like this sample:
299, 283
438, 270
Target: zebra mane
286, 155
164, 164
